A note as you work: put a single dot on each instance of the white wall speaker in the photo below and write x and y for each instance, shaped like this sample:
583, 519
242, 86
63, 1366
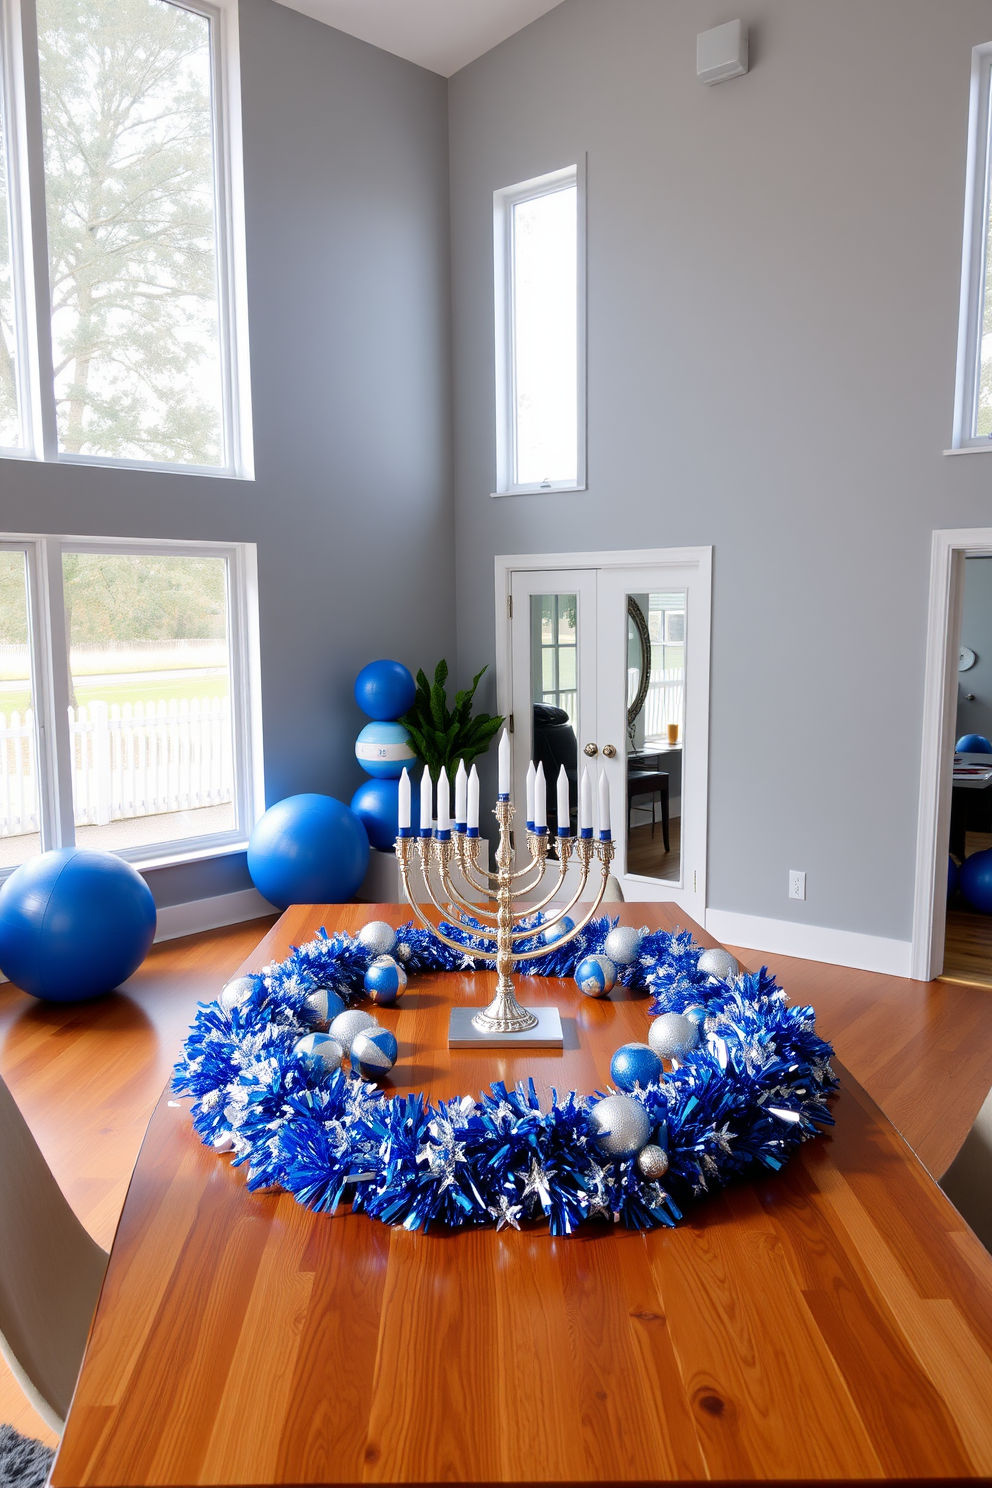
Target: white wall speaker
721, 53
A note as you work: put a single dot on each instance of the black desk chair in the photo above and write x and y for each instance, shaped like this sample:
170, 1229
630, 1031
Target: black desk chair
555, 745
653, 783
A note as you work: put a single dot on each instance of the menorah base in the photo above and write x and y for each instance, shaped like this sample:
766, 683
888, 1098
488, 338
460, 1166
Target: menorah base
546, 1033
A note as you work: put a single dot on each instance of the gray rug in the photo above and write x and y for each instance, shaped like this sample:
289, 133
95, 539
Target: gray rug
24, 1462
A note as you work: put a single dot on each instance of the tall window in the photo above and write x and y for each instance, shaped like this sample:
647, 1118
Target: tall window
540, 325
973, 392
130, 728
143, 362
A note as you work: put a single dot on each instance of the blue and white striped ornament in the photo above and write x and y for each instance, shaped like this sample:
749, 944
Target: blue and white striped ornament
595, 976
635, 1064
325, 1004
234, 993
373, 1052
378, 937
321, 1048
385, 981
552, 934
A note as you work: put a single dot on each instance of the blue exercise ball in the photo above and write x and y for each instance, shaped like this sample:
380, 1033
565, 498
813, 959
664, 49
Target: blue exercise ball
973, 744
376, 804
74, 924
385, 689
975, 880
953, 874
308, 849
384, 750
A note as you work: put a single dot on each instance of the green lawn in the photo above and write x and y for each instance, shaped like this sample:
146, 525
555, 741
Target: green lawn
128, 692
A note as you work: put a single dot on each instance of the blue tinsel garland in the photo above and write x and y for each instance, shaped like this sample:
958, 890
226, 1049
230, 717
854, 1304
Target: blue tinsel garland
754, 1089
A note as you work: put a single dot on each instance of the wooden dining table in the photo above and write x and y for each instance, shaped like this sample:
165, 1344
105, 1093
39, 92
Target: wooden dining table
830, 1323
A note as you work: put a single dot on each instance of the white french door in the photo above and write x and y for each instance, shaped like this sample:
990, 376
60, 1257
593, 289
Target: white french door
604, 664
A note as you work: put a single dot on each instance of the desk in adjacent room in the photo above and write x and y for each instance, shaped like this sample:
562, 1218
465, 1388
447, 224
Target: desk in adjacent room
831, 1323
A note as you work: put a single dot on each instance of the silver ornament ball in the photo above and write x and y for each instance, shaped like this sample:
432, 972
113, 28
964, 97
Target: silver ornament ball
717, 964
622, 1125
623, 944
236, 992
673, 1036
378, 937
652, 1162
347, 1024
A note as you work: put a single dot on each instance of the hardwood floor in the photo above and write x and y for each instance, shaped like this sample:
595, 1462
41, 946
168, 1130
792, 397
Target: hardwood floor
88, 1076
968, 940
647, 855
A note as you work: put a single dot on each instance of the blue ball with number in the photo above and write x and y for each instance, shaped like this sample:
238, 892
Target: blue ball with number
385, 981
383, 750
635, 1064
551, 934
595, 976
373, 1052
385, 689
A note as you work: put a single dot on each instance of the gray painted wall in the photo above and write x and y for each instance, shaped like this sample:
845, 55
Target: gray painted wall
976, 632
347, 231
773, 285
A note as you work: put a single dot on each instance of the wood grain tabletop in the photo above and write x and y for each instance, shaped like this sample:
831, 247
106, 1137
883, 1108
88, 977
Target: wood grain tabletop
831, 1323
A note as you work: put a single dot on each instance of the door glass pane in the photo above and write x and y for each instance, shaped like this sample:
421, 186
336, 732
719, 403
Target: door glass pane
129, 184
19, 801
655, 717
554, 691
149, 698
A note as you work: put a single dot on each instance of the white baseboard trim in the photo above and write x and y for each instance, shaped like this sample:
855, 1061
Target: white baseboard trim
811, 942
175, 920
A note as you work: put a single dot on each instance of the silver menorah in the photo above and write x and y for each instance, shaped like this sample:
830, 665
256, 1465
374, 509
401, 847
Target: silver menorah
497, 933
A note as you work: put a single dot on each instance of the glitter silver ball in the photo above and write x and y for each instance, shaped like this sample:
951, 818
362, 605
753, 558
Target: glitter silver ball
652, 1162
718, 964
622, 1125
347, 1024
622, 944
403, 951
671, 1036
378, 937
236, 992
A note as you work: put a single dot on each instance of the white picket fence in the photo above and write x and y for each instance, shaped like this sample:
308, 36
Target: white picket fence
127, 761
664, 702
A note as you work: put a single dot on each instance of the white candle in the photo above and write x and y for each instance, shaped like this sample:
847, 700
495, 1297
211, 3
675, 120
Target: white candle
585, 803
426, 802
461, 794
473, 800
404, 801
504, 764
443, 802
540, 798
604, 804
531, 772
564, 818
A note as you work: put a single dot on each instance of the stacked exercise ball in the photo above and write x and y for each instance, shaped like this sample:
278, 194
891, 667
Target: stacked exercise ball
74, 923
973, 744
384, 690
308, 849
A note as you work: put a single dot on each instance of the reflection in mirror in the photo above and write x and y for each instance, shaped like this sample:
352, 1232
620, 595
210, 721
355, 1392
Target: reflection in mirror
655, 714
554, 693
20, 806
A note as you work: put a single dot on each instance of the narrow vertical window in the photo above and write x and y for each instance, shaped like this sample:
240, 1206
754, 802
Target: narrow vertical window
539, 335
10, 423
973, 392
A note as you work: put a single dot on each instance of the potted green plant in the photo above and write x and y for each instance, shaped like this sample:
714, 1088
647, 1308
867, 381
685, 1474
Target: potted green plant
442, 736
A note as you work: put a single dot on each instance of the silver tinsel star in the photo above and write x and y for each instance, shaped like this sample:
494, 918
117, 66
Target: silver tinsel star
537, 1183
506, 1213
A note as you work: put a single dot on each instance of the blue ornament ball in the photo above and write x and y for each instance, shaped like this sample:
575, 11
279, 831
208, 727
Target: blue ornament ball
74, 923
385, 981
308, 849
635, 1064
235, 992
384, 750
325, 1004
974, 881
373, 1052
973, 744
551, 934
321, 1048
378, 937
952, 876
385, 689
621, 1125
376, 804
595, 976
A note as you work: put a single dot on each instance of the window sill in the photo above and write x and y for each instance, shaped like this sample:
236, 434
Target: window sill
538, 491
178, 854
971, 449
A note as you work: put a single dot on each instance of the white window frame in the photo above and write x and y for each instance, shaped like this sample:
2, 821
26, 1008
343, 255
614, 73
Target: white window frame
50, 685
29, 245
504, 201
973, 268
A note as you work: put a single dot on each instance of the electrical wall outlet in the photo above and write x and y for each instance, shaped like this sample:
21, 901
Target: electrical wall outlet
797, 884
